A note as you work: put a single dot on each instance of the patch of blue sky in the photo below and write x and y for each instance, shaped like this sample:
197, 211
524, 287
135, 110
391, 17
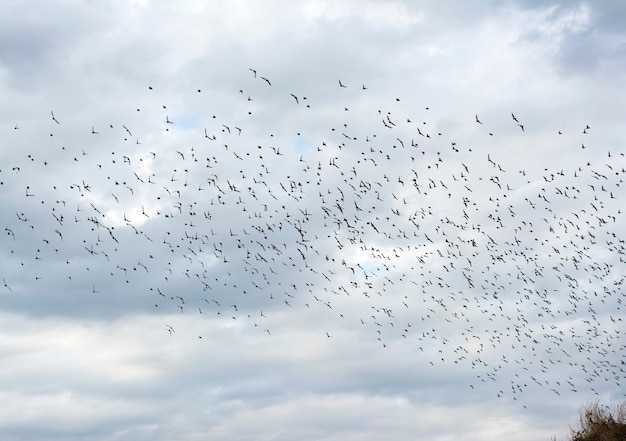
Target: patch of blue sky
372, 268
303, 144
187, 121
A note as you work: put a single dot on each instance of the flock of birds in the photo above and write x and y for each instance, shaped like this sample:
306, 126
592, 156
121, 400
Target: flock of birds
381, 219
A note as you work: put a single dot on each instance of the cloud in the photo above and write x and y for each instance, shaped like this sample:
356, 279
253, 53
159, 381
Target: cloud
190, 252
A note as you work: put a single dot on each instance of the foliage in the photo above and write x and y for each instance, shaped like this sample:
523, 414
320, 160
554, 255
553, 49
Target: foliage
599, 423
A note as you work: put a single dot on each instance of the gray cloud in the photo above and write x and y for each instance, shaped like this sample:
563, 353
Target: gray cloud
363, 262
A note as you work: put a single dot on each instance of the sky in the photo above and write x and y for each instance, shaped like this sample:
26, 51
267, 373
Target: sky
313, 220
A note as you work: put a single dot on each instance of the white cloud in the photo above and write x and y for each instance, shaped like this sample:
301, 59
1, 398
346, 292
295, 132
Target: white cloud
228, 313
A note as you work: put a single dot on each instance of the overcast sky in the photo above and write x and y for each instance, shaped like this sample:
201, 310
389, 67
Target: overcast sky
310, 220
